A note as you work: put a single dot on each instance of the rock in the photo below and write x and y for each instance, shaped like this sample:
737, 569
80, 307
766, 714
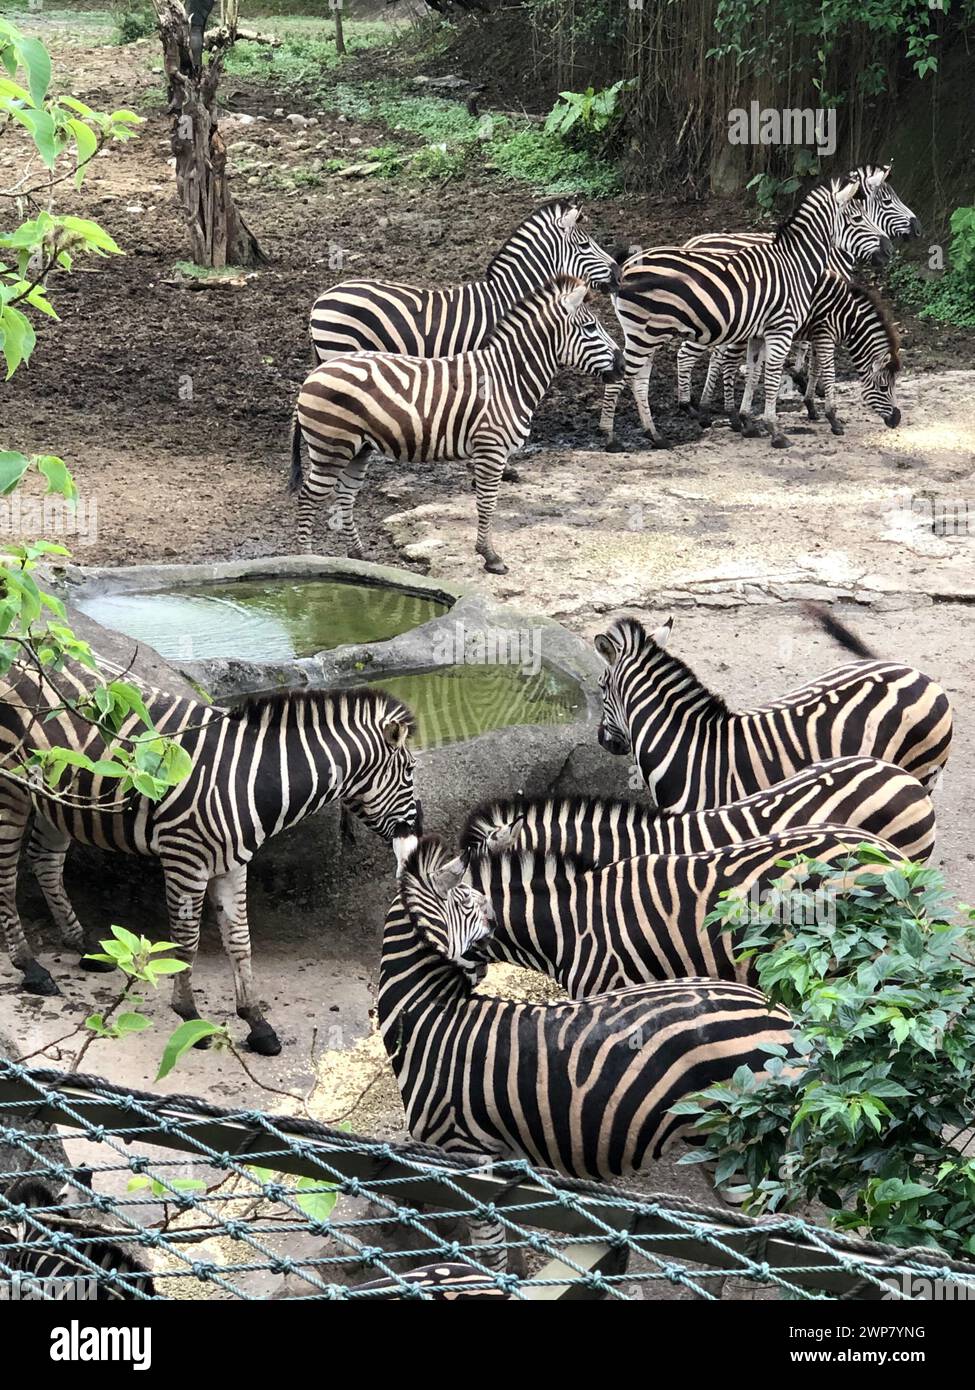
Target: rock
279, 112
296, 120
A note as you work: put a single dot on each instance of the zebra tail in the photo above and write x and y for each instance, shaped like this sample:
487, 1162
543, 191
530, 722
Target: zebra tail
297, 477
839, 631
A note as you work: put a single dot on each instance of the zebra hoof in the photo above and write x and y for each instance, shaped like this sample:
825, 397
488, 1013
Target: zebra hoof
734, 420
612, 446
203, 1044
510, 475
779, 441
37, 980
495, 566
750, 430
837, 426
263, 1040
685, 407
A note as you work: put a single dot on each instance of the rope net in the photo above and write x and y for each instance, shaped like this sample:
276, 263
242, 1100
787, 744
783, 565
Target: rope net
119, 1193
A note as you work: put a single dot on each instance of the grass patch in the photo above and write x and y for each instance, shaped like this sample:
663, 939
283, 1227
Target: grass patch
191, 271
950, 299
307, 50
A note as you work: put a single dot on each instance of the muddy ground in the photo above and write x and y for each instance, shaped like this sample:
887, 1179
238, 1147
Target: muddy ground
172, 404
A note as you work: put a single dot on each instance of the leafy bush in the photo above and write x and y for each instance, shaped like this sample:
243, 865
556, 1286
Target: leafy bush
862, 1117
949, 298
590, 111
550, 165
133, 21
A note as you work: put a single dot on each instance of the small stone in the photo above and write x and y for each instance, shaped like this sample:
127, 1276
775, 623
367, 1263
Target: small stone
279, 112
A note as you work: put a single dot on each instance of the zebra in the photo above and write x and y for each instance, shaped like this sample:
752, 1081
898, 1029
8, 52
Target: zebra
841, 312
762, 292
476, 406
861, 793
694, 752
640, 919
41, 1239
877, 208
257, 768
377, 316
584, 1087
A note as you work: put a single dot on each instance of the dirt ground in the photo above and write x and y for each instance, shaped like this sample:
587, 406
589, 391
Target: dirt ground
172, 405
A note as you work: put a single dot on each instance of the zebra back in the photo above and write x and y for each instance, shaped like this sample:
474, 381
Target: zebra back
623, 923
864, 793
583, 1087
383, 316
694, 752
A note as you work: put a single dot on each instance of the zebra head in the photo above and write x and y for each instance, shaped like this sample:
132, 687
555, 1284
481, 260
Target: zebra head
581, 340
573, 251
451, 916
378, 789
882, 205
861, 238
629, 652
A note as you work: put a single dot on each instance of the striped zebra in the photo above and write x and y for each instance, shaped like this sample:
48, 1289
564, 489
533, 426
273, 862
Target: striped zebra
634, 920
860, 793
582, 1087
377, 316
476, 406
256, 770
711, 299
42, 1238
694, 752
841, 312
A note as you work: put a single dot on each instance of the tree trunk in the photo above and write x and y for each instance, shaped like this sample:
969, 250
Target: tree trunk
339, 35
218, 234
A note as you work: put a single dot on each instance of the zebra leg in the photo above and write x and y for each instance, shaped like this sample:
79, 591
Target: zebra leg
607, 416
753, 367
826, 357
488, 468
776, 350
490, 1247
318, 488
14, 814
347, 487
46, 852
185, 892
228, 898
809, 392
730, 364
640, 385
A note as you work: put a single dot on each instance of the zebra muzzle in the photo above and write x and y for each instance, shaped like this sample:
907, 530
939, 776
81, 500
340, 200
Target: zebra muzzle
893, 419
615, 372
611, 742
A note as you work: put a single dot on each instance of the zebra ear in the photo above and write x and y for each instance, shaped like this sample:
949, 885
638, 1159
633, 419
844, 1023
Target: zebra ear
569, 218
575, 299
662, 634
448, 876
395, 732
876, 178
843, 195
607, 648
504, 837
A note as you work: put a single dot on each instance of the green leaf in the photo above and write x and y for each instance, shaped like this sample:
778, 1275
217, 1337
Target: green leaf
187, 1035
59, 479
37, 62
87, 144
13, 466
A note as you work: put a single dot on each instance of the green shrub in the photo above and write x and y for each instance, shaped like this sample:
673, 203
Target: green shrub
133, 20
861, 1118
551, 166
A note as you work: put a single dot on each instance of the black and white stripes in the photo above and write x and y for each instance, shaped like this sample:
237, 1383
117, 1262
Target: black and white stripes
378, 316
694, 752
583, 1087
476, 406
255, 771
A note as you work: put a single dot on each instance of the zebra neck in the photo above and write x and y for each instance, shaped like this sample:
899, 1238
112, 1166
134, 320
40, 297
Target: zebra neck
525, 360
671, 716
842, 262
513, 274
416, 984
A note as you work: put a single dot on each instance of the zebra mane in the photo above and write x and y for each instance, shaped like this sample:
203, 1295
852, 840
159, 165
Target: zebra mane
637, 640
564, 202
870, 296
542, 865
276, 704
491, 814
787, 224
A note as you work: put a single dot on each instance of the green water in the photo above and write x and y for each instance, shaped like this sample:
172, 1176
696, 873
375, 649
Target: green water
262, 620
453, 703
